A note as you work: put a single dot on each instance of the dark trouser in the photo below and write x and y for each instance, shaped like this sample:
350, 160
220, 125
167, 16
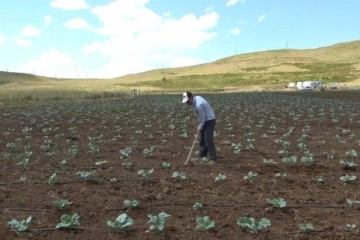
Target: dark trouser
207, 140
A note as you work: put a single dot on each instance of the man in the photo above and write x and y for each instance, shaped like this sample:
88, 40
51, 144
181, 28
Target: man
207, 122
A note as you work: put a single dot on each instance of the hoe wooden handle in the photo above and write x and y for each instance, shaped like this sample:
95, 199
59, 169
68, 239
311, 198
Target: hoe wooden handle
191, 150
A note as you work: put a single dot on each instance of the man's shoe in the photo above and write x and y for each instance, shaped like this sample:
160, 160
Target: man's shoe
211, 162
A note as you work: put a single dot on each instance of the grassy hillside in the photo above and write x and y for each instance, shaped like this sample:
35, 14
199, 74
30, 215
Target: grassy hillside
338, 63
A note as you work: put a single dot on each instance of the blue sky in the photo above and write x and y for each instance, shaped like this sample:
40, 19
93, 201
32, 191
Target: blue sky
111, 38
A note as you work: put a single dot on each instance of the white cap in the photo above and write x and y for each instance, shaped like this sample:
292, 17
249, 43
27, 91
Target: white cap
185, 97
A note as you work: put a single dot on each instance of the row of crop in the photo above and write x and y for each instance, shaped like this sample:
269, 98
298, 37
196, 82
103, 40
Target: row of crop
148, 174
158, 222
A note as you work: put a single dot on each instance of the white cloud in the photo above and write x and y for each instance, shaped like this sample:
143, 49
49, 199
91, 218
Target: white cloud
69, 4
23, 42
233, 2
235, 31
48, 20
138, 39
30, 31
77, 23
261, 17
51, 63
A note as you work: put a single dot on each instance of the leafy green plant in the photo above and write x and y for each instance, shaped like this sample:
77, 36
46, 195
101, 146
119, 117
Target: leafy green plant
149, 151
166, 165
308, 158
236, 147
20, 226
131, 203
291, 159
197, 206
158, 222
251, 175
122, 223
352, 154
306, 227
127, 165
125, 153
83, 174
277, 202
348, 178
318, 180
350, 227
268, 161
179, 175
52, 179
281, 174
146, 173
204, 223
220, 177
62, 203
25, 159
348, 164
67, 221
252, 224
93, 148
352, 202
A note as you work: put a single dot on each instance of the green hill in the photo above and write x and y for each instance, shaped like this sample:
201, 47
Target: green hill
338, 63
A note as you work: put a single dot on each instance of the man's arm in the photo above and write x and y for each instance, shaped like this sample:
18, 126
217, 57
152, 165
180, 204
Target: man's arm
201, 118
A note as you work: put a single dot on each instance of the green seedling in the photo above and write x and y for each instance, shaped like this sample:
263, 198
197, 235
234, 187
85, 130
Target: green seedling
158, 222
83, 175
62, 203
268, 161
252, 224
197, 206
350, 227
179, 175
125, 153
281, 174
149, 151
122, 223
67, 221
352, 154
220, 177
131, 203
251, 175
352, 202
166, 165
318, 180
204, 223
291, 159
348, 164
277, 202
348, 178
20, 226
306, 227
236, 147
52, 179
146, 173
127, 165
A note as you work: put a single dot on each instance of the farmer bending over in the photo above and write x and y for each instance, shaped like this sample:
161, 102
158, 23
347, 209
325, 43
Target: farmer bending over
206, 119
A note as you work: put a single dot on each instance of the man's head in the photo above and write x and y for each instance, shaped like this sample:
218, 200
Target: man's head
187, 98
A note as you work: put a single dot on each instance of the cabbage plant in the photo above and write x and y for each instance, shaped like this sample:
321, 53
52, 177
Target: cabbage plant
252, 224
122, 223
158, 222
68, 221
204, 223
20, 226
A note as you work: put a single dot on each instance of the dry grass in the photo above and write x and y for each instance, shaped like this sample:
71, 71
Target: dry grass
258, 67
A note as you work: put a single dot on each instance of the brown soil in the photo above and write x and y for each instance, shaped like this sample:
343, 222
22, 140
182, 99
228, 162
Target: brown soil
328, 123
